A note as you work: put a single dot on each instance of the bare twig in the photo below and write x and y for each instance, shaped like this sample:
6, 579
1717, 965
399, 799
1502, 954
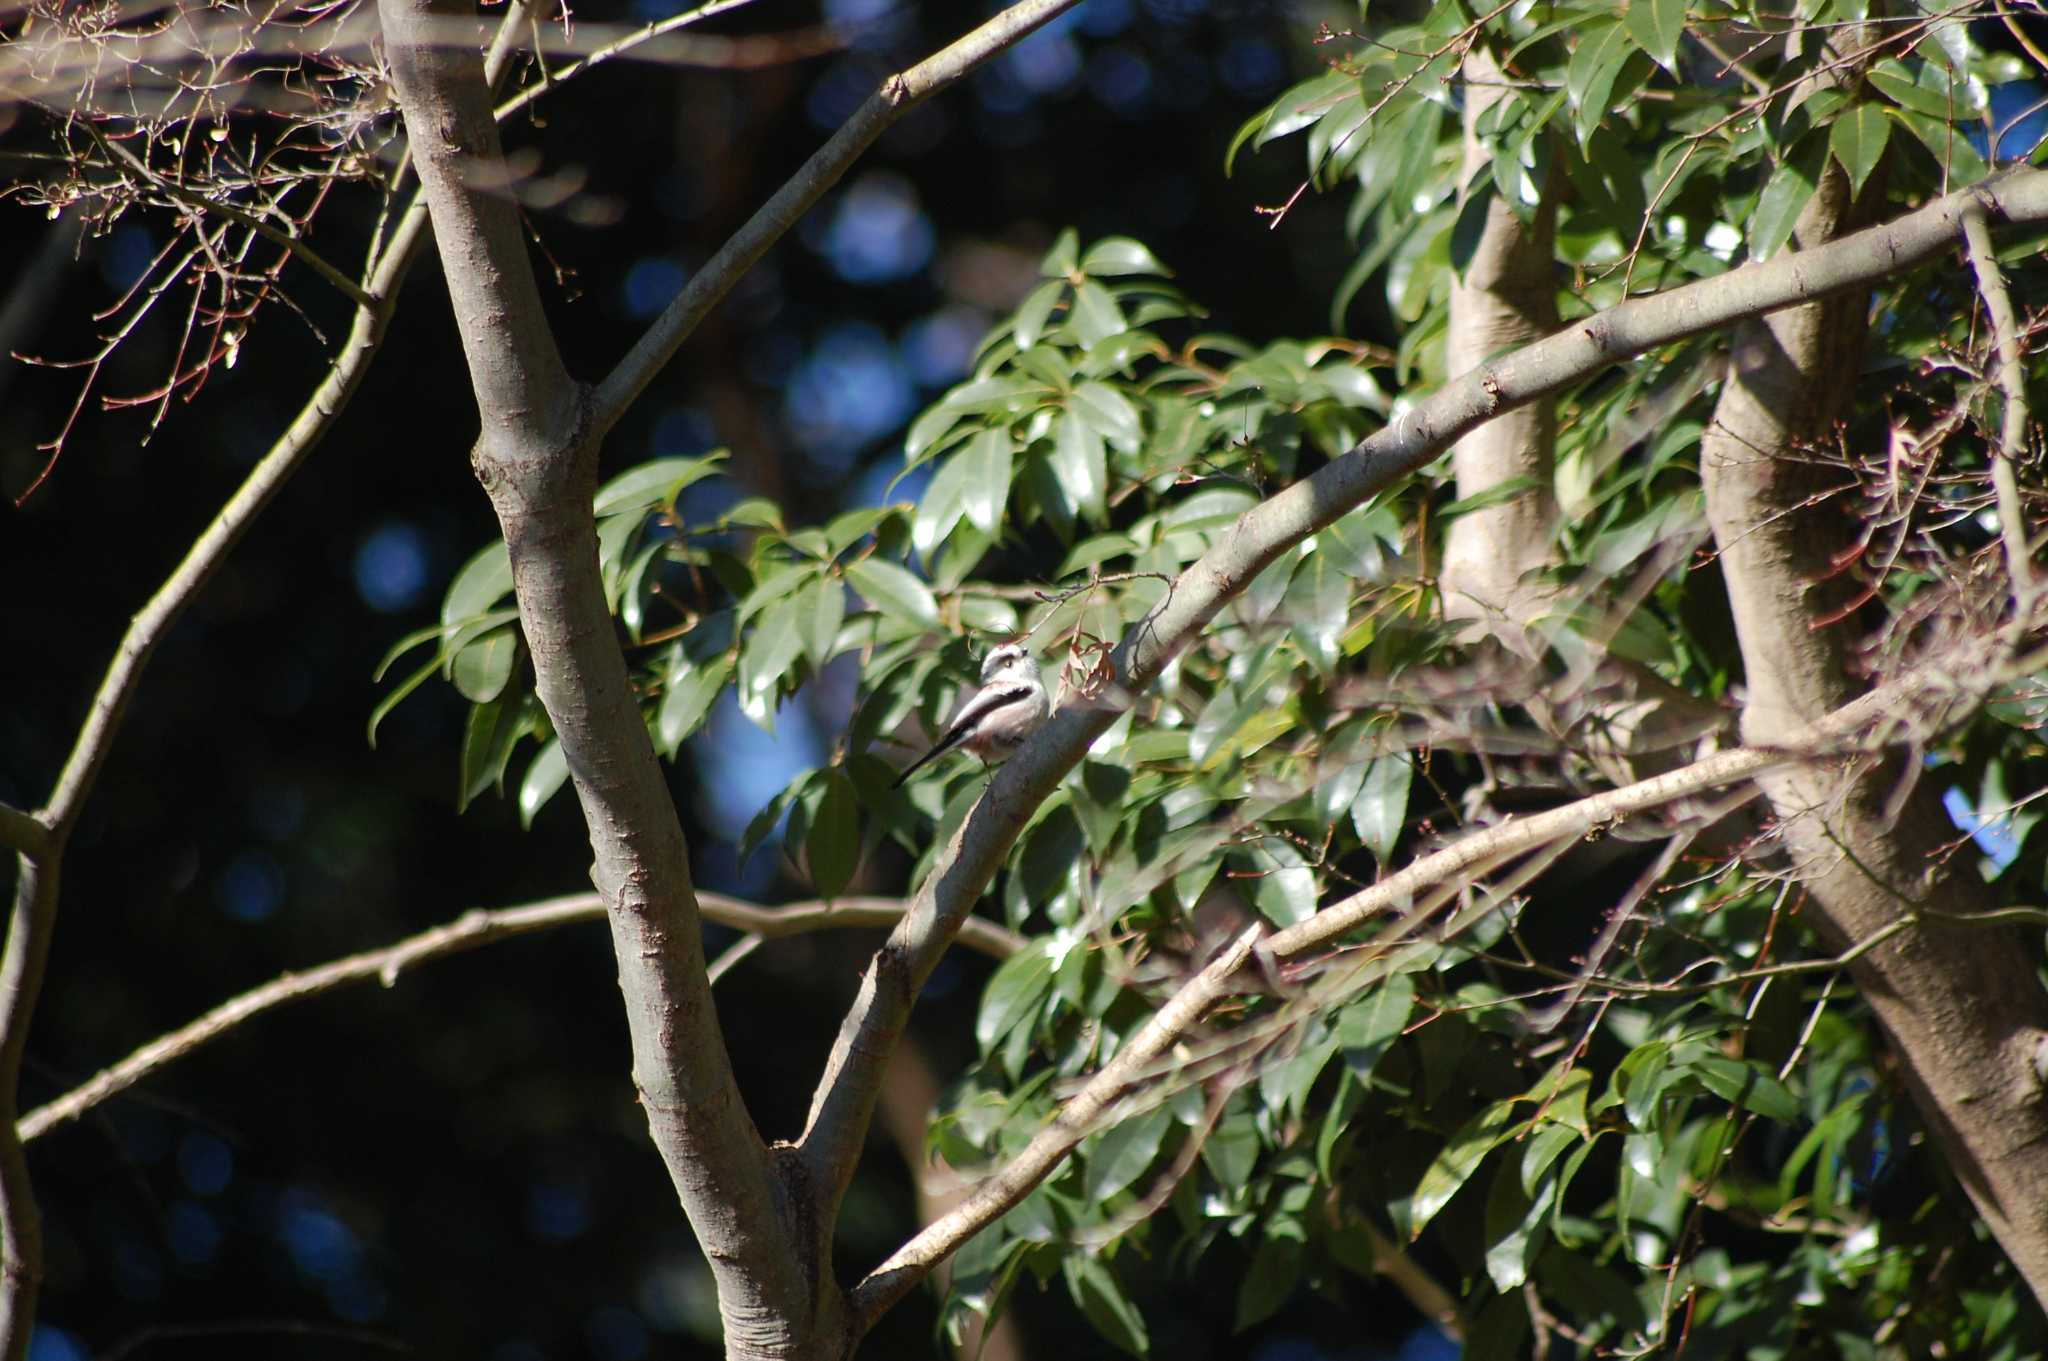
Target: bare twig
2012, 435
480, 927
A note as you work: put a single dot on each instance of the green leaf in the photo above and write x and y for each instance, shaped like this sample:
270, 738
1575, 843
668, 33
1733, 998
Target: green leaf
1103, 1303
653, 485
1081, 466
487, 740
1123, 1152
1273, 1275
399, 692
1096, 316
691, 690
985, 478
769, 653
1747, 1085
1858, 140
1033, 312
1114, 255
1785, 197
544, 777
1061, 259
483, 581
833, 846
1020, 984
942, 505
482, 669
1381, 808
1460, 1158
820, 609
1368, 1027
1305, 104
1602, 49
894, 591
1107, 412
1516, 1226
1656, 25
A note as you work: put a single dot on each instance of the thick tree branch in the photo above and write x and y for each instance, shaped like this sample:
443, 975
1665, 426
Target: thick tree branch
478, 927
537, 458
897, 96
1966, 1016
843, 1102
1506, 296
1858, 727
2012, 435
29, 927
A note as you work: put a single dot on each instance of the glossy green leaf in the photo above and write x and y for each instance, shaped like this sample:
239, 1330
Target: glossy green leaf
547, 774
1381, 809
653, 485
1096, 316
487, 741
1656, 25
1123, 1152
1080, 464
1115, 255
1516, 1226
482, 669
1020, 984
1603, 46
1368, 1027
1103, 1303
894, 591
483, 581
1785, 196
1273, 1274
1858, 139
985, 478
1061, 260
820, 609
1748, 1086
1454, 1166
1034, 311
832, 843
688, 699
1107, 412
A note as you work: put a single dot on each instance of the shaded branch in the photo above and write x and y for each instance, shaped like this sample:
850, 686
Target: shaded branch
23, 832
843, 1102
471, 929
897, 96
1847, 728
2012, 435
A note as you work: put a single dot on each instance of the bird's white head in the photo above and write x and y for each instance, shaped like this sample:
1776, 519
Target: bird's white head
1008, 659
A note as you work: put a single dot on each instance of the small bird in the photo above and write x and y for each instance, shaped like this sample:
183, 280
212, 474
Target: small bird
996, 719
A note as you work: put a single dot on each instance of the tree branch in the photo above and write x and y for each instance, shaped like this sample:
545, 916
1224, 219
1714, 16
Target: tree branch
23, 832
2012, 435
1967, 1018
843, 1102
897, 96
1848, 728
478, 927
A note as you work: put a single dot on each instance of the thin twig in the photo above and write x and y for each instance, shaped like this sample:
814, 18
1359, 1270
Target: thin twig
478, 927
2012, 434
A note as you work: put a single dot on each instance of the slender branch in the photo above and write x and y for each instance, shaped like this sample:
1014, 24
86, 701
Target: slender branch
479, 927
1847, 727
617, 47
23, 832
843, 1102
2012, 435
897, 96
29, 928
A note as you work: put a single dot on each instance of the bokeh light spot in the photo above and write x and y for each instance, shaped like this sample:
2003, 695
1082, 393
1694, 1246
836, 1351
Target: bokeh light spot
391, 567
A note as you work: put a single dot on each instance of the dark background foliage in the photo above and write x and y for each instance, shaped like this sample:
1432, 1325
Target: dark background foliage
454, 1166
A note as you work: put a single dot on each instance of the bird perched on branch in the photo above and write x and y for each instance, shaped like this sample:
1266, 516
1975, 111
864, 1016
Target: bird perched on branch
996, 719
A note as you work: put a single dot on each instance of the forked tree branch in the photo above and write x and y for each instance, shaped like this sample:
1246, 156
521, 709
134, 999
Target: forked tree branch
478, 927
843, 1102
1853, 728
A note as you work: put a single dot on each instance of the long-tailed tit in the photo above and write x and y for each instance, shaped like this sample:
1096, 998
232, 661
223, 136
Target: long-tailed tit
996, 719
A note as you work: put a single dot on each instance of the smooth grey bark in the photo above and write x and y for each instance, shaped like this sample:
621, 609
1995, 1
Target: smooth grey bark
1507, 296
537, 459
1965, 1014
